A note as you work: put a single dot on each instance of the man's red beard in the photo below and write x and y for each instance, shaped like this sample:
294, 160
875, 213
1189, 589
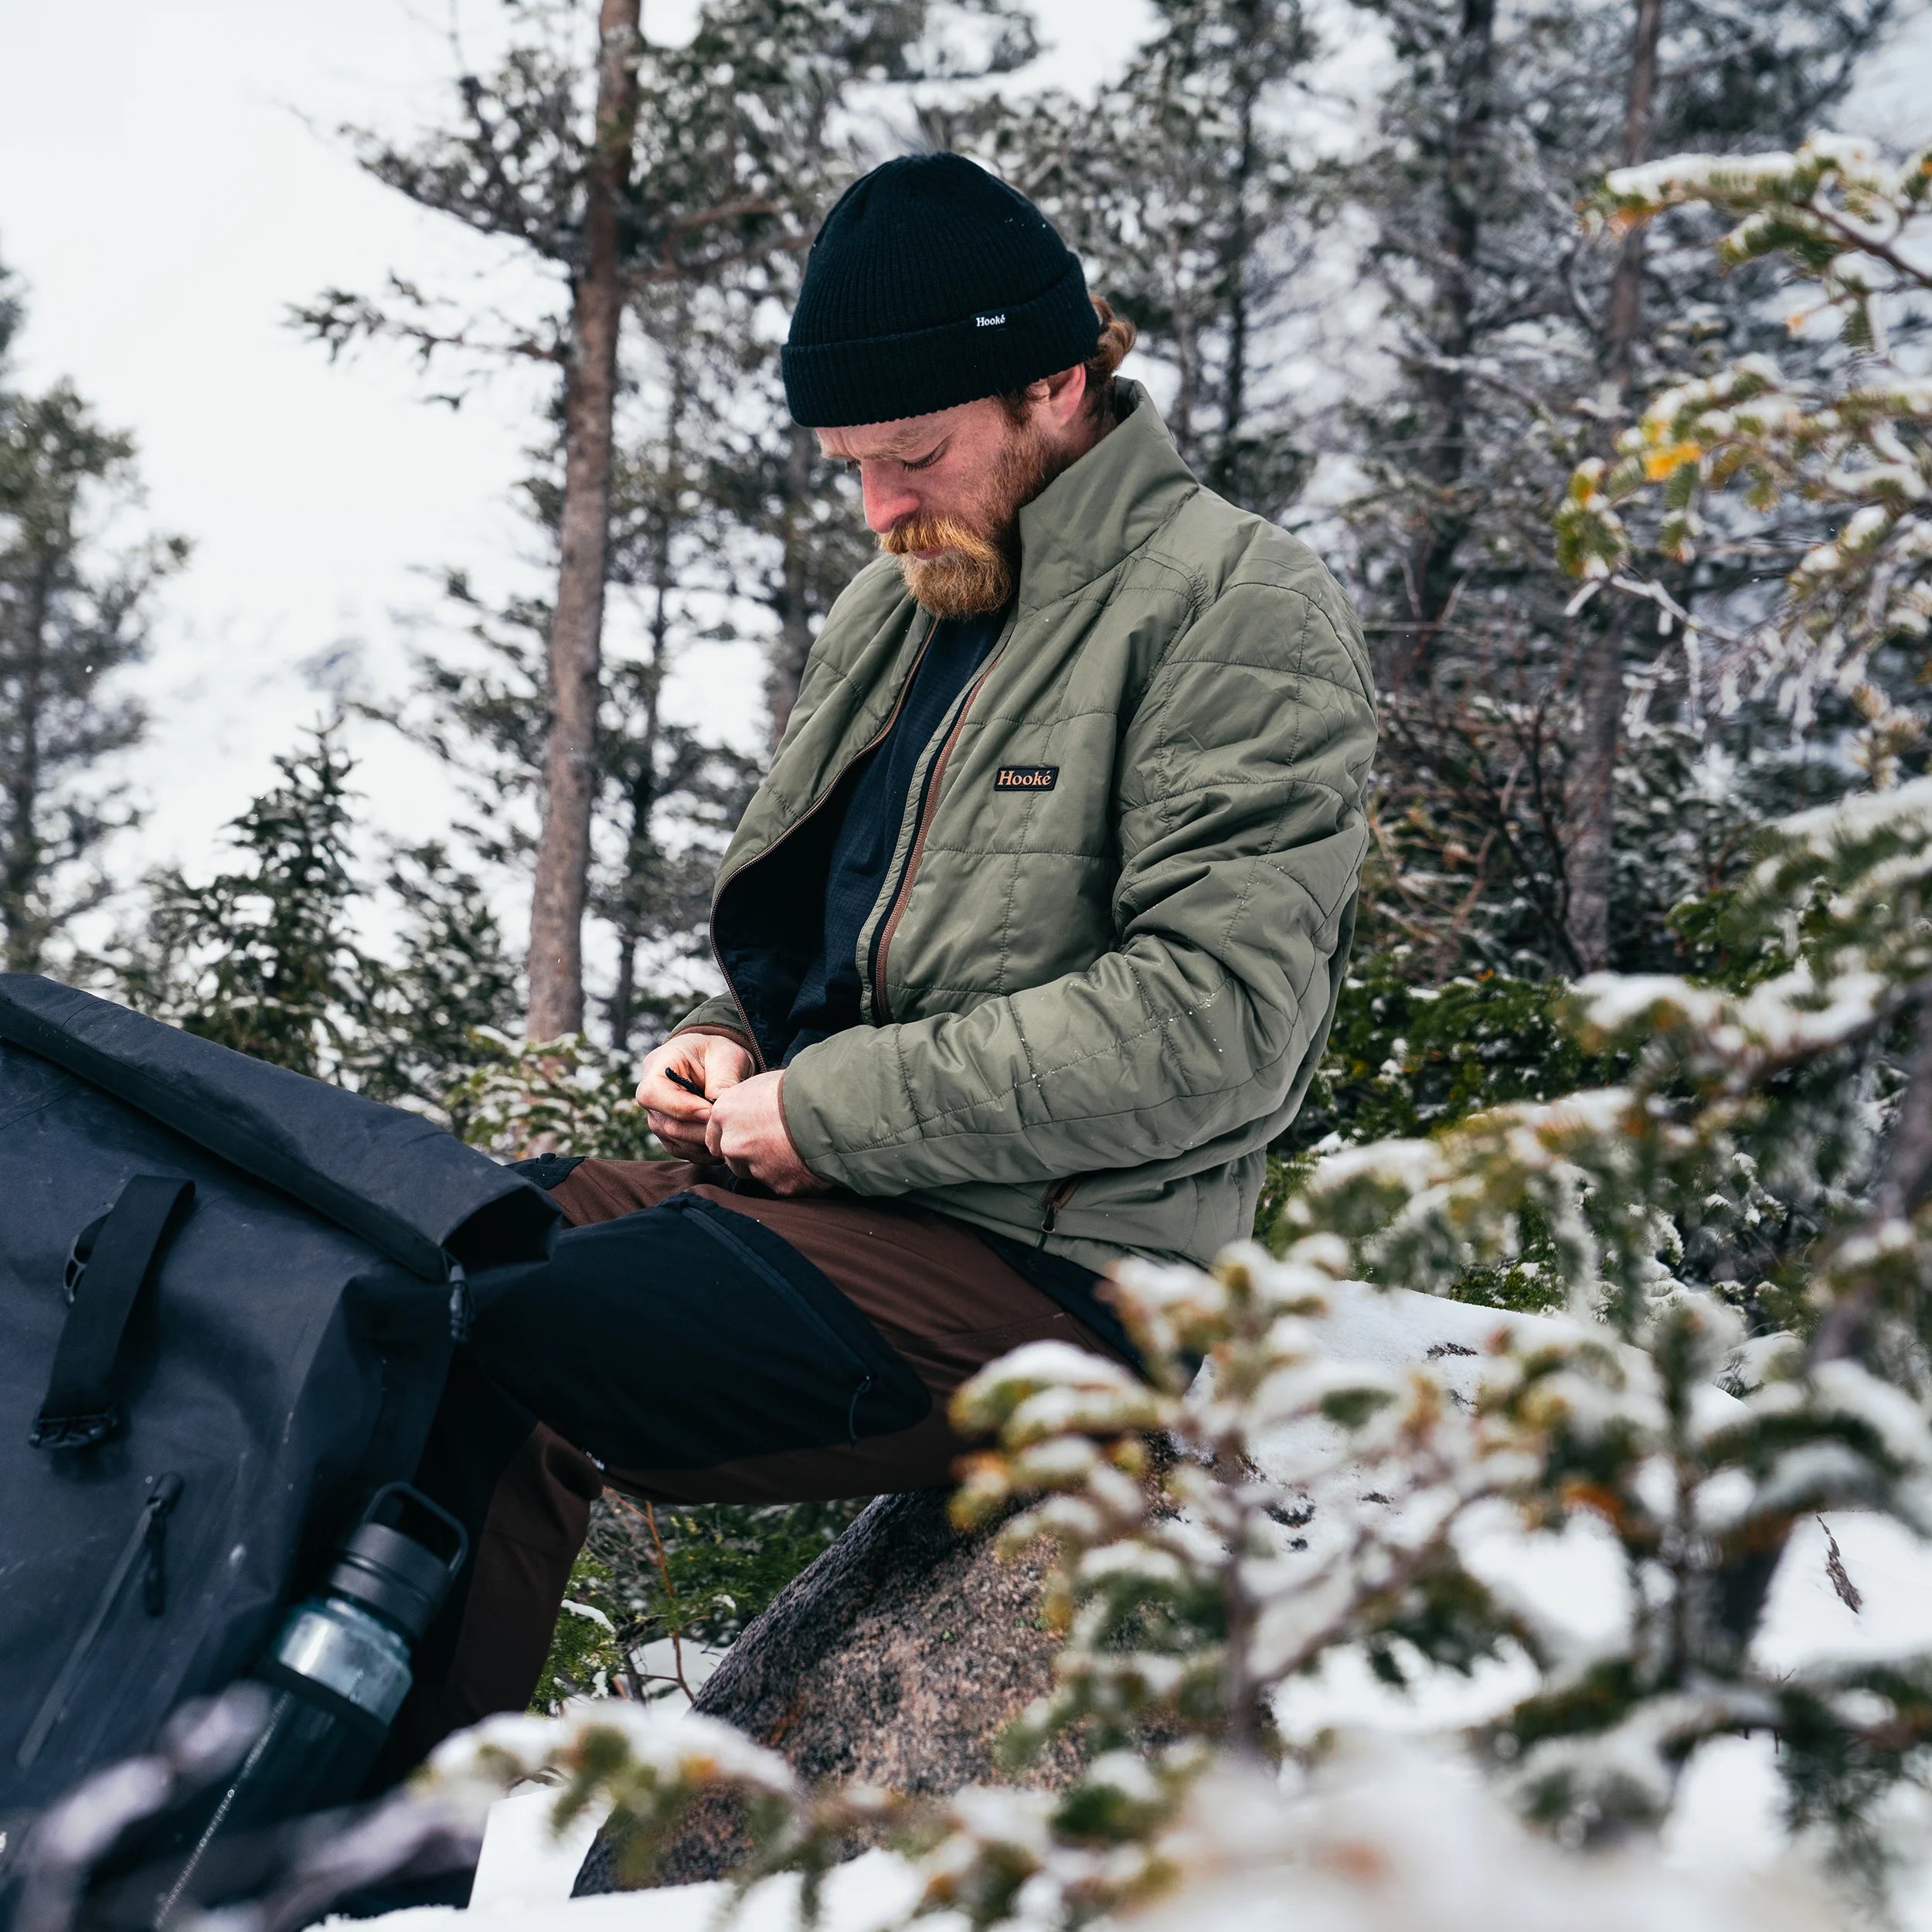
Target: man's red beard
978, 560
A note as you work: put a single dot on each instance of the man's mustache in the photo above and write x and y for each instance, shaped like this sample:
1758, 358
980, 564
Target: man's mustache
918, 533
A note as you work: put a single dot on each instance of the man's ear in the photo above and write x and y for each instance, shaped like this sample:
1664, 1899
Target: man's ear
1065, 394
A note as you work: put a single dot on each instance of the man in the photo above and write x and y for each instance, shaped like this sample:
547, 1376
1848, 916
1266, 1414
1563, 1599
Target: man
1031, 937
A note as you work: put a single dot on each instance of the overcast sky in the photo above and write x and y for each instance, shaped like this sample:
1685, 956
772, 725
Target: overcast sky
168, 184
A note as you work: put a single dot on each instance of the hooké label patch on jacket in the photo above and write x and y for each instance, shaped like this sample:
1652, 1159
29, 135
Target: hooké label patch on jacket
1026, 778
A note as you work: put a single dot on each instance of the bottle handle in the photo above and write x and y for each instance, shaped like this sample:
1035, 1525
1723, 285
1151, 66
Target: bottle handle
411, 1497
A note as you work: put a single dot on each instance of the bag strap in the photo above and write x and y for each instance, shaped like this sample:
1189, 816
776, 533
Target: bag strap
80, 1409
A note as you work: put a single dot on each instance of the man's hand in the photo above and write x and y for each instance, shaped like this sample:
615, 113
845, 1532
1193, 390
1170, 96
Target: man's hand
678, 1117
748, 1134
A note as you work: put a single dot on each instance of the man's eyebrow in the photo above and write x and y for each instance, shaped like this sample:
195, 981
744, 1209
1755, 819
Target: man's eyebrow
909, 440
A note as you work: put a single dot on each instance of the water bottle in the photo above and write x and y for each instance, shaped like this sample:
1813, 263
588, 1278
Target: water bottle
336, 1676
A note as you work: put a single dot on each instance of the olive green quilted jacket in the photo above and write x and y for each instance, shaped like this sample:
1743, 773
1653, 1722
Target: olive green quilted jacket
1106, 958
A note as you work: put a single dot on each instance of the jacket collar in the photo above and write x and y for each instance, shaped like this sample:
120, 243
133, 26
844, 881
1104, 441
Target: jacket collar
1106, 505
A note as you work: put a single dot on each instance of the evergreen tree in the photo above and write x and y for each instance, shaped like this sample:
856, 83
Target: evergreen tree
667, 801
271, 958
673, 799
453, 977
772, 524
1501, 771
75, 613
263, 958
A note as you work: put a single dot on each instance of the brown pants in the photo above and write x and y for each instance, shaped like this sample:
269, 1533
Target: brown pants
692, 1343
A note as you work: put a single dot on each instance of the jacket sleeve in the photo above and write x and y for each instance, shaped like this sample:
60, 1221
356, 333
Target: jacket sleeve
718, 1014
1242, 835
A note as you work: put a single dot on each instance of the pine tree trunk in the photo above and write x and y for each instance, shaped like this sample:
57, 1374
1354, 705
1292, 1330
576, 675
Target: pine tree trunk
793, 644
1592, 854
577, 627
23, 859
1444, 453
1590, 862
1222, 477
1625, 315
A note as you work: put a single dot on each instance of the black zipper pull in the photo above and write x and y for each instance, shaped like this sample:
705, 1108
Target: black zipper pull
1056, 1198
154, 1576
462, 1309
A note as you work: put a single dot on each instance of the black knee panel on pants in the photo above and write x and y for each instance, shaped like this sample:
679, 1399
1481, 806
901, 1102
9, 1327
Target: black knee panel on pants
687, 1335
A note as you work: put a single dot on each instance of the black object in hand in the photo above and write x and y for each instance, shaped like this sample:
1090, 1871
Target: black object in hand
685, 1081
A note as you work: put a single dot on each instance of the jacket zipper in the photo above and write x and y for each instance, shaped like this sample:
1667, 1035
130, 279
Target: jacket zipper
707, 1217
149, 1537
1056, 1198
871, 744
928, 811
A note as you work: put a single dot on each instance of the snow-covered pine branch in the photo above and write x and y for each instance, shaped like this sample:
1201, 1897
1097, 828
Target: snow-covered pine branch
1852, 233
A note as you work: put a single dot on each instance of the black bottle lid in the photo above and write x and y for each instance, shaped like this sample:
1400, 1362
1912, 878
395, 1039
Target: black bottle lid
385, 1567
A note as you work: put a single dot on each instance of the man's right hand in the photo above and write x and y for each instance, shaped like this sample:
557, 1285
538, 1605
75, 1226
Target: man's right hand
680, 1118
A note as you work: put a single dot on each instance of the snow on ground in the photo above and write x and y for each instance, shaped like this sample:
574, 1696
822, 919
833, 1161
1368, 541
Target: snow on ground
1726, 1822
661, 1661
522, 1861
524, 1884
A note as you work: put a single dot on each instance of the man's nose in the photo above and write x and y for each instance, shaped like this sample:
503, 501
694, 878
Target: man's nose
886, 503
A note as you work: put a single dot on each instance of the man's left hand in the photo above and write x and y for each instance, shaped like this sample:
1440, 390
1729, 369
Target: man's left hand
747, 1132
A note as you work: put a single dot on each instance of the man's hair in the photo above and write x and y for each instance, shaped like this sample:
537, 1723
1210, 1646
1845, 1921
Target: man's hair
1117, 335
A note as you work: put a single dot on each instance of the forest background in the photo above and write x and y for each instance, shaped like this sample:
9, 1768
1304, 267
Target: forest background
1352, 239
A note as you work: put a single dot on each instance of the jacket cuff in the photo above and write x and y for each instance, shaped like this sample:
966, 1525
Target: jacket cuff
805, 1125
734, 1033
717, 1014
824, 1085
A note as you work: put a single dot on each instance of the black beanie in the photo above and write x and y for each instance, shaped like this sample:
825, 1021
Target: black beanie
931, 283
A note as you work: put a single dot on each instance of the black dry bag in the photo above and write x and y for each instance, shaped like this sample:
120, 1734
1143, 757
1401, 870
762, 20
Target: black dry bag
227, 1296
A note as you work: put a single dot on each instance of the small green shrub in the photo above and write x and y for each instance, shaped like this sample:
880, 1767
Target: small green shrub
1404, 1060
697, 1573
586, 1656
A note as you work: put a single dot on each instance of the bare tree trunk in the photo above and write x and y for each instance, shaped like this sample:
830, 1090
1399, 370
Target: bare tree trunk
1591, 855
1445, 449
1221, 475
1181, 415
1625, 315
23, 858
623, 995
1590, 864
794, 623
576, 627
643, 801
